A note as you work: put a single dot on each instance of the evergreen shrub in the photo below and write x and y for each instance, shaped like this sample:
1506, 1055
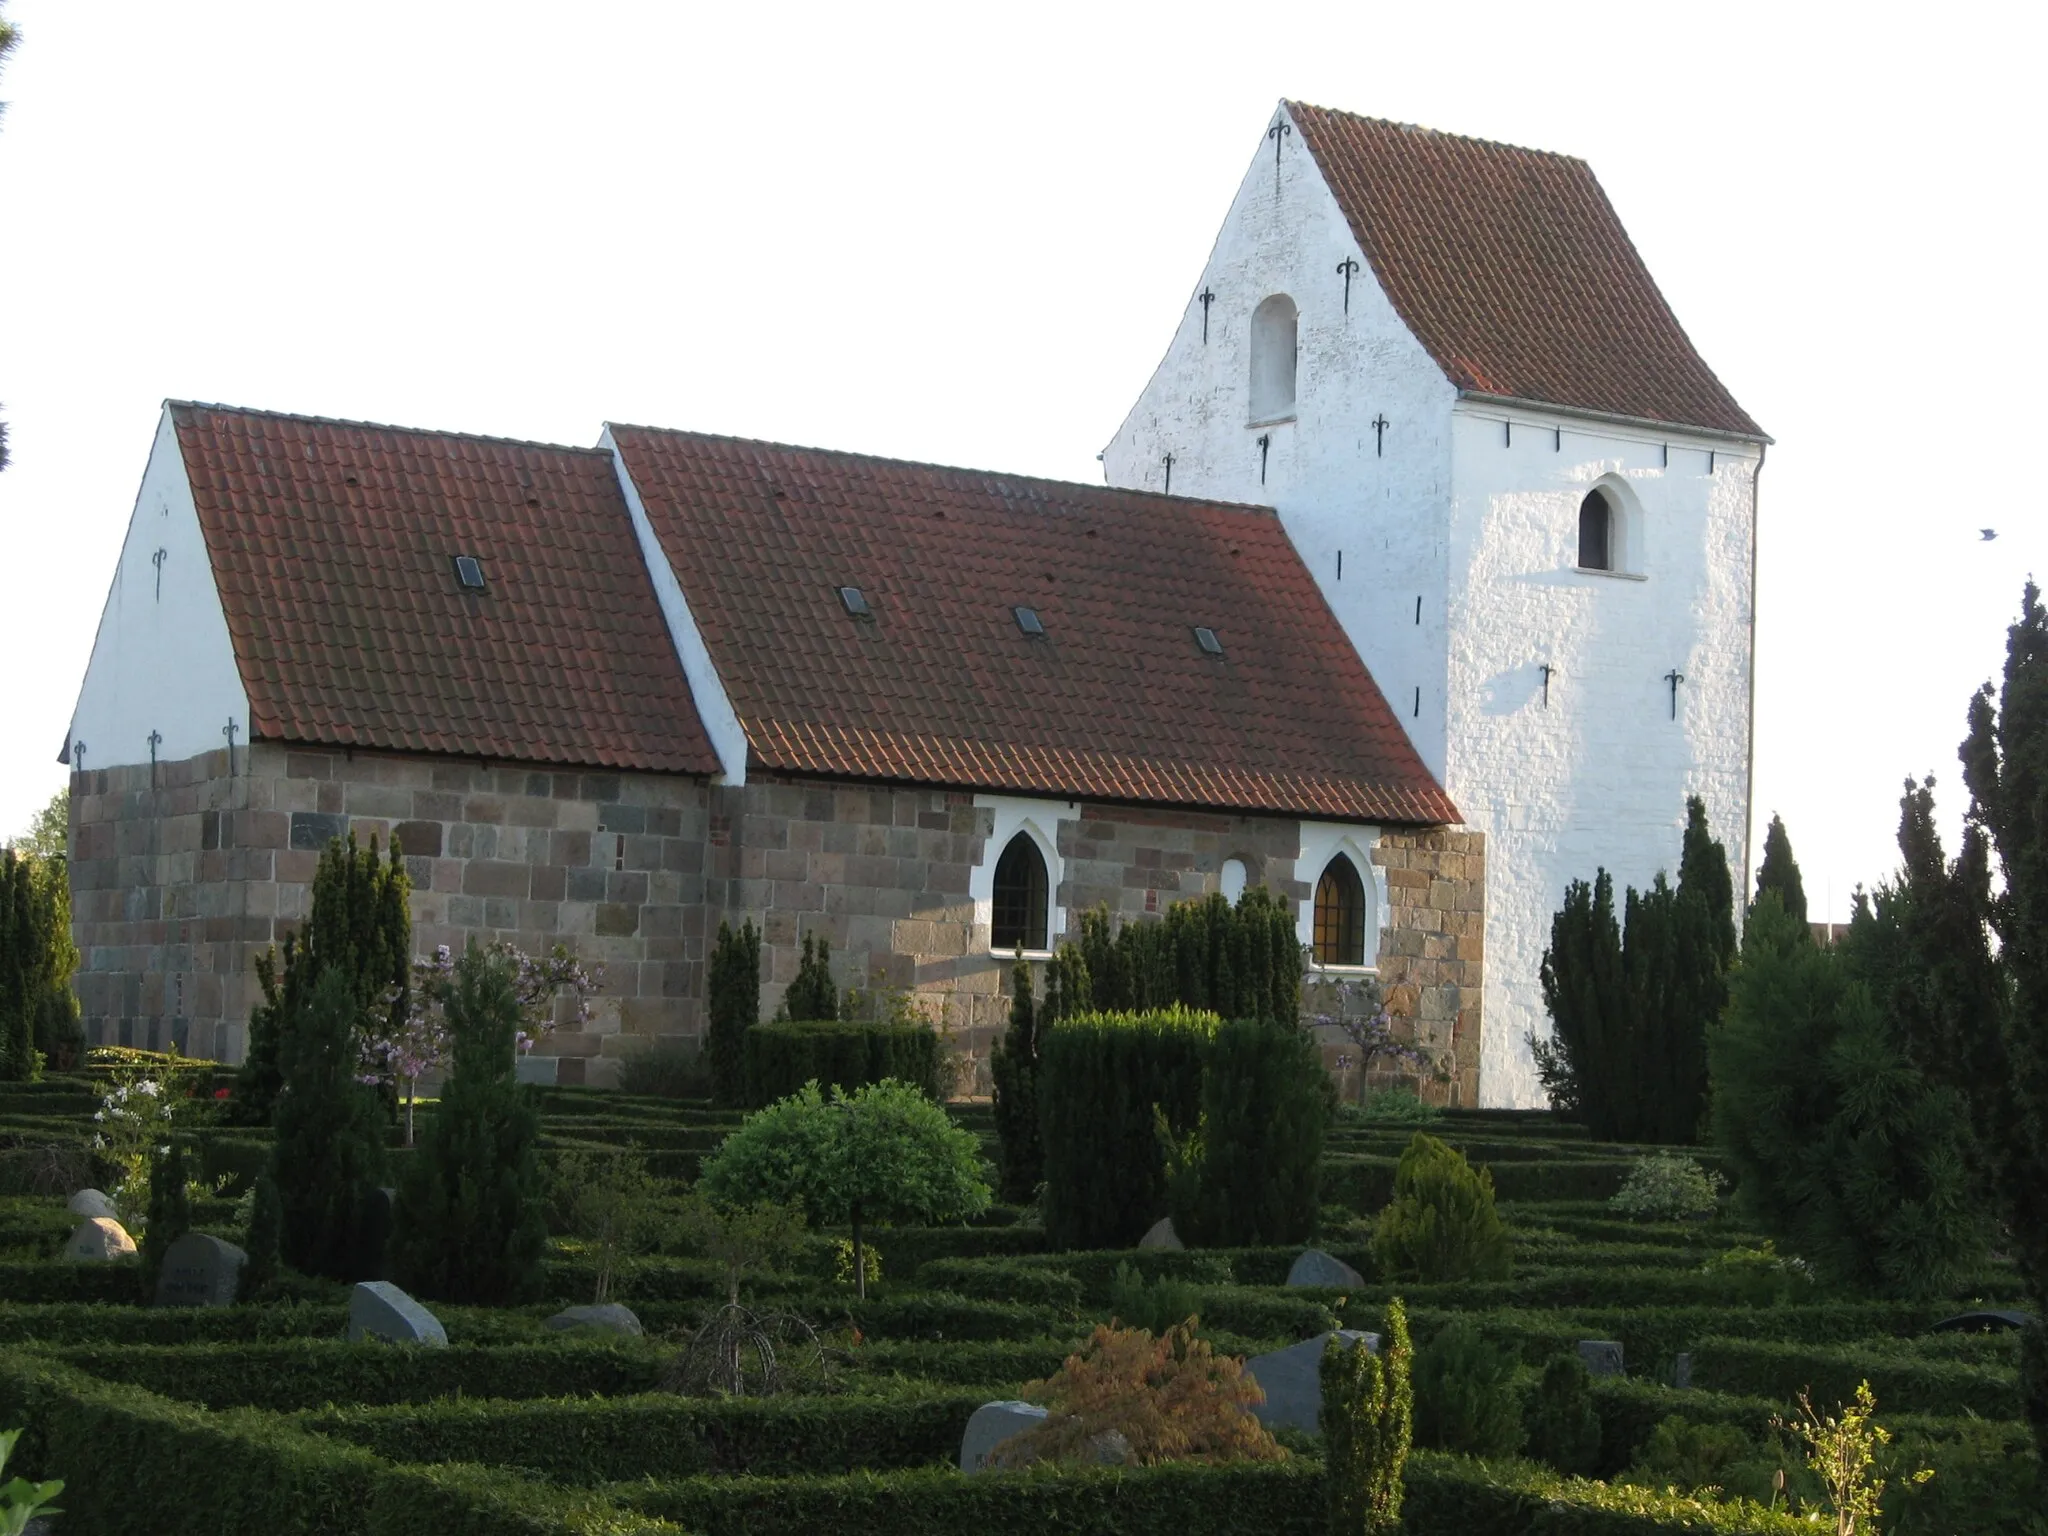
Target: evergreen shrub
1239, 962
811, 994
1368, 1420
329, 1156
1562, 1421
263, 1242
1667, 1186
1465, 1396
1442, 1223
1249, 1175
1107, 1082
170, 1212
732, 1007
470, 1222
1014, 1067
38, 1011
781, 1057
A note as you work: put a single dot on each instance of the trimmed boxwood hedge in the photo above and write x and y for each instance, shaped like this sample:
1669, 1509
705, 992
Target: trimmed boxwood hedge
782, 1057
597, 1440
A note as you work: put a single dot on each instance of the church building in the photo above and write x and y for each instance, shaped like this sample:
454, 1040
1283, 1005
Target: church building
1421, 585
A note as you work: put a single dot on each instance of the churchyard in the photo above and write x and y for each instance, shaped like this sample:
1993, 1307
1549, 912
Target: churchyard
328, 1408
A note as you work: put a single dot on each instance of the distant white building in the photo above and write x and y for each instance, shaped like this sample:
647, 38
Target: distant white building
1526, 498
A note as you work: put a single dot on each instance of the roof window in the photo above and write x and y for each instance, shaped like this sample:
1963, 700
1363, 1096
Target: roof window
1029, 621
856, 602
470, 572
1206, 639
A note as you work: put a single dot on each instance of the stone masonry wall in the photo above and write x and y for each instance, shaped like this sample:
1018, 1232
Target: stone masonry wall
177, 887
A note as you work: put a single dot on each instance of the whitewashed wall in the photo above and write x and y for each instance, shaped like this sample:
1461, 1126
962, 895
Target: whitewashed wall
1484, 533
1382, 511
1599, 776
162, 660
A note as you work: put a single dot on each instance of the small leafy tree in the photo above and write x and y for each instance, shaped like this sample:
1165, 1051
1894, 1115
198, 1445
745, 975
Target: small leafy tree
1014, 1066
1442, 1223
1465, 1395
811, 993
133, 1121
470, 1223
884, 1152
605, 1198
1368, 1422
1168, 1398
263, 1241
170, 1212
1563, 1424
743, 1238
732, 1007
361, 925
21, 1500
1842, 1451
329, 1156
1667, 1186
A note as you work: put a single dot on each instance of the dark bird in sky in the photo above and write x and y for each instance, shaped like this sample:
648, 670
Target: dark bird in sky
1989, 534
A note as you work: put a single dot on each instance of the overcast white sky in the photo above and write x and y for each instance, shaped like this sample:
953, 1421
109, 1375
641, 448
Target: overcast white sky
965, 235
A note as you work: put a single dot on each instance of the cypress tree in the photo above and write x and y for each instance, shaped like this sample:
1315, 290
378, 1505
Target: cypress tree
1586, 993
170, 1212
329, 1156
1255, 1169
262, 1241
38, 1013
1014, 1066
1368, 1423
470, 1222
1991, 1039
360, 924
1779, 872
811, 993
733, 1007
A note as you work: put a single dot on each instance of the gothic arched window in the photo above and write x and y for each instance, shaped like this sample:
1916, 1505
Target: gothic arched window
1017, 919
1596, 532
1340, 915
1273, 346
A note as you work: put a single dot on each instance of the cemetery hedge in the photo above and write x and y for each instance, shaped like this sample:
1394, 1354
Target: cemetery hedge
779, 1058
263, 1418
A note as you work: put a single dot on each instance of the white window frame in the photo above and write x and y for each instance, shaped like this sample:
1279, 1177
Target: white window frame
1322, 841
1040, 821
1624, 530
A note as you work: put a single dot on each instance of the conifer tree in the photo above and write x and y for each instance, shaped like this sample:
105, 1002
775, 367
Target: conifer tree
360, 924
170, 1212
1014, 1066
471, 1222
1780, 872
329, 1156
811, 993
38, 1012
733, 1006
262, 1241
1368, 1423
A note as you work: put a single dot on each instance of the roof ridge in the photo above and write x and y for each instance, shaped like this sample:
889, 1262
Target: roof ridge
382, 426
1435, 133
1125, 493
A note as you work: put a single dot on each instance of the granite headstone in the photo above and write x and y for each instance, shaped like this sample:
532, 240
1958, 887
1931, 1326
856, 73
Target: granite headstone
609, 1317
1602, 1357
1161, 1235
200, 1271
377, 1309
89, 1203
992, 1424
98, 1241
1316, 1267
1292, 1378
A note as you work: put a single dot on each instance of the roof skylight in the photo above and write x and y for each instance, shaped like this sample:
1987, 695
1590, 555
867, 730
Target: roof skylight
1206, 639
470, 572
856, 602
1029, 621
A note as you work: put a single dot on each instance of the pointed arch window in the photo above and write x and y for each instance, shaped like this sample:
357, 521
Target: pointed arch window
1340, 914
1018, 916
1597, 540
1274, 325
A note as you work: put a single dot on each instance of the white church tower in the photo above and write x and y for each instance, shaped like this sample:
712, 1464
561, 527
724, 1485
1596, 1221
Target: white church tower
1527, 499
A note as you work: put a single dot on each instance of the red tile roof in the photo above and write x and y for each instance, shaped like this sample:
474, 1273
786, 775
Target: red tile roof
1117, 701
333, 545
1510, 267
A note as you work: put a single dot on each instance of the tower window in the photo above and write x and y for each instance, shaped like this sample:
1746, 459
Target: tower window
1340, 915
1273, 350
1017, 919
1596, 532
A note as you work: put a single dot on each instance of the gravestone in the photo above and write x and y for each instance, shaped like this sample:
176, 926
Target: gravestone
1982, 1322
992, 1424
1161, 1235
200, 1271
1292, 1379
607, 1318
1316, 1267
99, 1241
1602, 1357
1681, 1372
89, 1203
377, 1309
